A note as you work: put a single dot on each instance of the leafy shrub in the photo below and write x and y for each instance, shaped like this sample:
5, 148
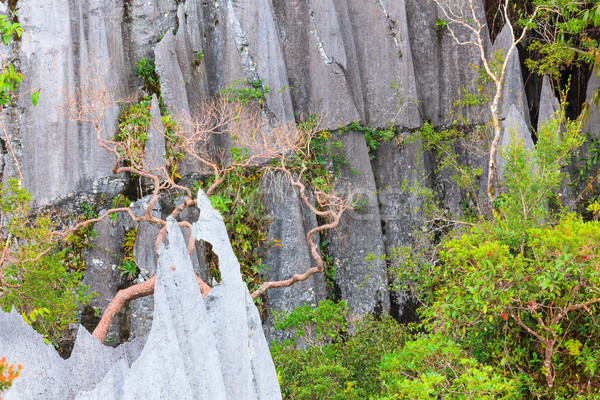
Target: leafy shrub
345, 363
146, 70
433, 366
34, 269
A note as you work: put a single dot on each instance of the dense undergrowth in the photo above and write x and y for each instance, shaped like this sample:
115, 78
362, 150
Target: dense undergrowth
508, 302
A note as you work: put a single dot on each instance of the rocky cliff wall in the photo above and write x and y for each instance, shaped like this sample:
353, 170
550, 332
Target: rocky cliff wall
372, 61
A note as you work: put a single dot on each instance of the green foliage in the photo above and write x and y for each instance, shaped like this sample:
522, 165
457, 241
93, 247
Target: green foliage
9, 78
134, 121
345, 364
173, 143
522, 278
34, 269
198, 59
129, 268
324, 160
373, 137
314, 325
245, 91
238, 200
75, 243
531, 179
146, 71
433, 366
572, 39
440, 24
7, 29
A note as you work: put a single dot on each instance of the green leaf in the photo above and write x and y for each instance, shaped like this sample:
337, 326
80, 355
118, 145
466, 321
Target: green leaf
34, 98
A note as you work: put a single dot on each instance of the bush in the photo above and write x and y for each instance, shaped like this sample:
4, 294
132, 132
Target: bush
433, 366
339, 364
34, 269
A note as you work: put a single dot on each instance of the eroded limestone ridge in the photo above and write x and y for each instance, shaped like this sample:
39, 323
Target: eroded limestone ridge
197, 349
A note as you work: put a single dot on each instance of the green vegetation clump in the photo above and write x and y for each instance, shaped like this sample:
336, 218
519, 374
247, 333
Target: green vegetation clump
35, 270
336, 364
245, 91
129, 268
238, 200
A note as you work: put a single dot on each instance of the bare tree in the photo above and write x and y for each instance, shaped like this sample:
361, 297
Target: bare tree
462, 14
260, 141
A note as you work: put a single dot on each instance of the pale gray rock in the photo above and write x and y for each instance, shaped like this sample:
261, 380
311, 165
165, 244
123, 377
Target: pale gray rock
361, 283
593, 121
141, 310
291, 253
513, 90
260, 52
317, 72
382, 44
235, 360
249, 371
442, 67
548, 102
47, 376
155, 150
514, 128
78, 41
146, 21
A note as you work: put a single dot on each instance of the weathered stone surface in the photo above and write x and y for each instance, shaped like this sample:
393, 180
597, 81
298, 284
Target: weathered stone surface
224, 333
291, 254
514, 126
260, 51
399, 172
146, 21
249, 371
47, 376
593, 121
155, 151
102, 274
362, 284
513, 91
382, 44
441, 65
316, 69
141, 310
56, 153
548, 102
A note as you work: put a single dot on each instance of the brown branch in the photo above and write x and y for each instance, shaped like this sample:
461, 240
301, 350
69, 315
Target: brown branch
143, 289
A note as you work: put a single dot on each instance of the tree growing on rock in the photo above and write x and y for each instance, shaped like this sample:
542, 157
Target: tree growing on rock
463, 21
257, 143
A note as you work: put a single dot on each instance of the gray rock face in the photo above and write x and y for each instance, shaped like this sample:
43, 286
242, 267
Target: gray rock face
102, 274
154, 151
548, 102
593, 121
146, 21
441, 65
291, 255
514, 128
223, 332
513, 90
401, 209
362, 284
75, 40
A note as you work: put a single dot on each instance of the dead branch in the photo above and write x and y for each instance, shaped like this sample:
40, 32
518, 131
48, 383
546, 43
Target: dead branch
462, 13
240, 126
